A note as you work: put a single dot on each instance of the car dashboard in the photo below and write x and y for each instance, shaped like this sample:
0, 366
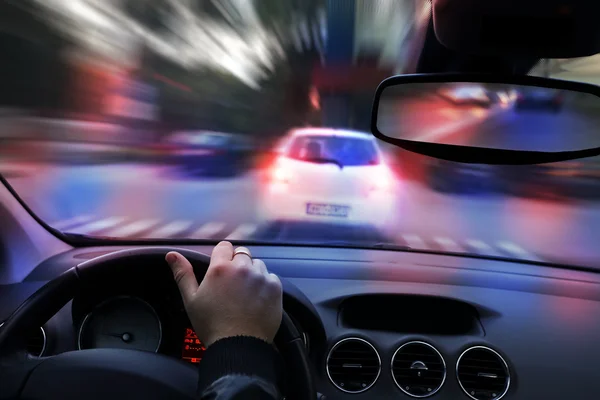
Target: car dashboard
376, 323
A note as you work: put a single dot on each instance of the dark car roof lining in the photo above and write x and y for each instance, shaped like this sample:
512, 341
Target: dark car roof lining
436, 58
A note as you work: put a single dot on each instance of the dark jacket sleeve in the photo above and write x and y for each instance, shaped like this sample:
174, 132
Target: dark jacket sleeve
240, 367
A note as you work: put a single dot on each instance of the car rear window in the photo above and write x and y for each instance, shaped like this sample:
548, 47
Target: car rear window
200, 139
348, 151
210, 140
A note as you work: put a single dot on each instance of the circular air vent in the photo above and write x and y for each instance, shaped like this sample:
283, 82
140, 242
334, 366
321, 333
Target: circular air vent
36, 341
353, 365
418, 369
482, 373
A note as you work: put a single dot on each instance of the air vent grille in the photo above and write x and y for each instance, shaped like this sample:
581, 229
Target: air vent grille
353, 365
482, 373
418, 369
36, 341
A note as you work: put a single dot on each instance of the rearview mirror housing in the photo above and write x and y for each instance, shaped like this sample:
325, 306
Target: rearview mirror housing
488, 119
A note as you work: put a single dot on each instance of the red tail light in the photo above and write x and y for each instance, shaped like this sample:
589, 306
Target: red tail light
280, 177
382, 182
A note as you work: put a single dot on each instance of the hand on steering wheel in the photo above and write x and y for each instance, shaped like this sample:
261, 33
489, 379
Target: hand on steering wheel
237, 297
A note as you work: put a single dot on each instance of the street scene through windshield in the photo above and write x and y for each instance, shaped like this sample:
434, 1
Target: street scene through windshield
250, 120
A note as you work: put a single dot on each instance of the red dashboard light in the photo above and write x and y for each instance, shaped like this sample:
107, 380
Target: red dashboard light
192, 349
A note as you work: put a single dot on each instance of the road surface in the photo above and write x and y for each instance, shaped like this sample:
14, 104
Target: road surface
150, 201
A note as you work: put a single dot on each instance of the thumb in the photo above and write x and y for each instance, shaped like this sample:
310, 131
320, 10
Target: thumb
183, 274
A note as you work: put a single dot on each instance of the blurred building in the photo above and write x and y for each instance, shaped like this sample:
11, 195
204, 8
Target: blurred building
367, 42
583, 69
383, 28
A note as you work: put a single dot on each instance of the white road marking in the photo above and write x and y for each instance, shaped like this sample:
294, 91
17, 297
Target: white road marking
414, 241
208, 230
480, 247
100, 225
80, 219
448, 244
242, 232
454, 127
516, 250
449, 112
171, 229
134, 228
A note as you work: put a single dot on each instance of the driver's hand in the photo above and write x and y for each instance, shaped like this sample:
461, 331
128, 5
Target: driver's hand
238, 296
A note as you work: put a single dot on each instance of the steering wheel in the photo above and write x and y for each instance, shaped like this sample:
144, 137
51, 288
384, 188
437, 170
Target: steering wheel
116, 373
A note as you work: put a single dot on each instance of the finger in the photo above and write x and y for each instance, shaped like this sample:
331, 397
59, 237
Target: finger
244, 251
242, 257
221, 254
275, 284
183, 274
242, 260
260, 265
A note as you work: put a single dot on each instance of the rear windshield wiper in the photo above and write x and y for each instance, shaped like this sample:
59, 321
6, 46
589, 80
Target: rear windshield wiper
319, 160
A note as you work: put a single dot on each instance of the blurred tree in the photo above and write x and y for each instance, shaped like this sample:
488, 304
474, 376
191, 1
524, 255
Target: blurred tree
204, 97
297, 25
33, 75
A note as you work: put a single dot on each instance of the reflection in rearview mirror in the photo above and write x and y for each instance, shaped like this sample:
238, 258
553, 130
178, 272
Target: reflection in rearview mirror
491, 115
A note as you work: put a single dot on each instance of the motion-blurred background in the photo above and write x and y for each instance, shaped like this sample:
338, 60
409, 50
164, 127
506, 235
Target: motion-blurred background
160, 118
129, 73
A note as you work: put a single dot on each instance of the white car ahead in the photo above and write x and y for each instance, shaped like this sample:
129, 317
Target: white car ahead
332, 176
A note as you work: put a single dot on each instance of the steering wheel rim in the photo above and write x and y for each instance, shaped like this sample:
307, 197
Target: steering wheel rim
36, 378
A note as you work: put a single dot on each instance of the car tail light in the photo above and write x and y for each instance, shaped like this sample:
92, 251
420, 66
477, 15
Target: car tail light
281, 175
280, 178
382, 182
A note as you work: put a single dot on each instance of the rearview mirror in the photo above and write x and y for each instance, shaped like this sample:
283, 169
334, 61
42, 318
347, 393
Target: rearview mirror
489, 120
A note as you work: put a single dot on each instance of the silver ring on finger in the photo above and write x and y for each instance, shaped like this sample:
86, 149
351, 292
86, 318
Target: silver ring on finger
242, 250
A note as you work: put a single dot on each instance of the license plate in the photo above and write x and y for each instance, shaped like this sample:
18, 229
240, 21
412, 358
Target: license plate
329, 210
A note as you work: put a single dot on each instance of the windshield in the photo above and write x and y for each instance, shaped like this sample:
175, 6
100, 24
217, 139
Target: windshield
118, 119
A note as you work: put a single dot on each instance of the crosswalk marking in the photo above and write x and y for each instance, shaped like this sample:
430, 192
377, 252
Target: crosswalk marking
208, 230
479, 246
80, 219
134, 228
171, 229
97, 226
448, 244
515, 250
449, 112
414, 241
242, 232
151, 228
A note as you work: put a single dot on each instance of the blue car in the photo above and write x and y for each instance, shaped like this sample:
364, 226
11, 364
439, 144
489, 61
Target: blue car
539, 99
208, 153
